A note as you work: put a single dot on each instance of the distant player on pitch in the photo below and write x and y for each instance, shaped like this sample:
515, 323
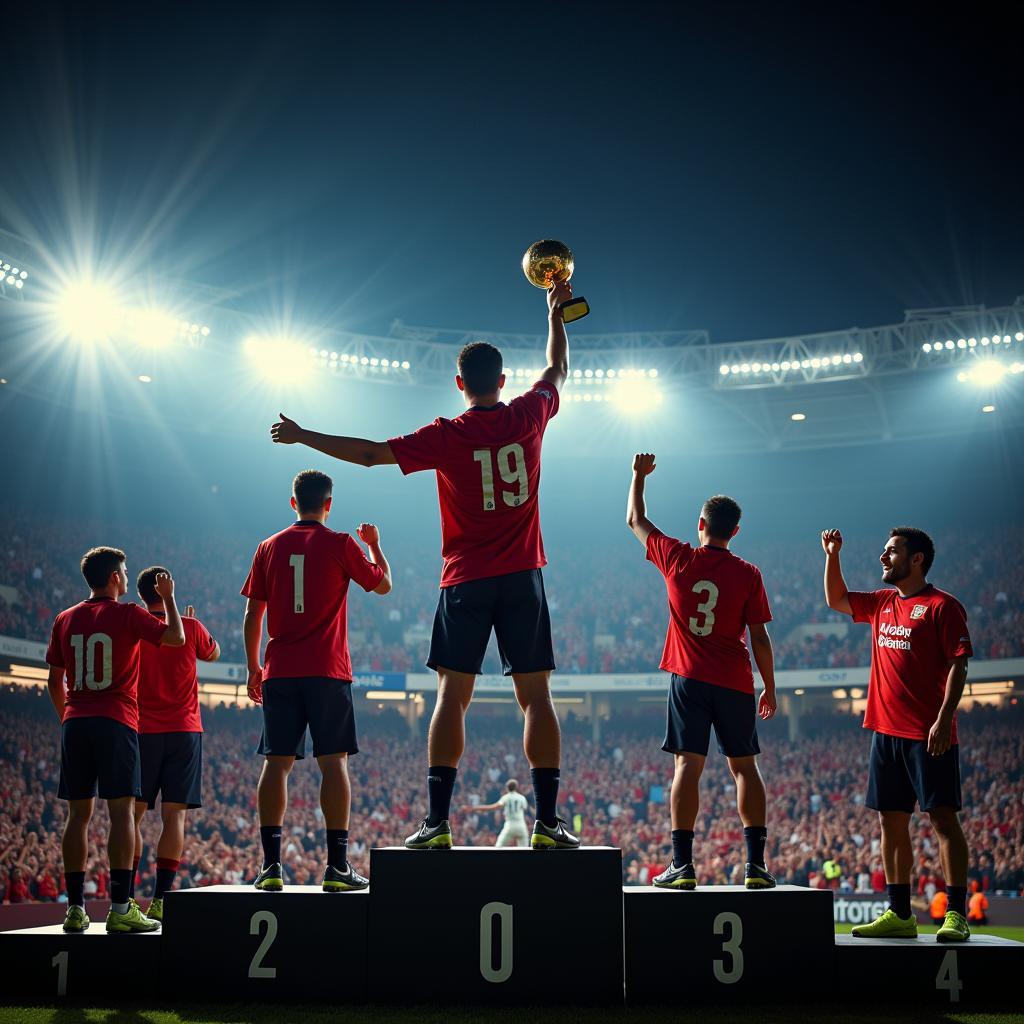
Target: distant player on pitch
487, 463
299, 578
170, 737
919, 652
515, 806
94, 646
714, 598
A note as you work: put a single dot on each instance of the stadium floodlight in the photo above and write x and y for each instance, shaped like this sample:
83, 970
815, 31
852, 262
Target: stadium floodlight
636, 396
798, 417
1019, 335
279, 359
987, 373
988, 408
145, 378
89, 311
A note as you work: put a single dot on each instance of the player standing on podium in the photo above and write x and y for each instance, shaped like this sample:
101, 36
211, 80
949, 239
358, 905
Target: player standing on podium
918, 670
95, 646
487, 463
299, 578
713, 599
170, 737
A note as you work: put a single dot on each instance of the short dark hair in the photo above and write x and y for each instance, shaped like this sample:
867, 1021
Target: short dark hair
918, 543
311, 489
721, 516
480, 366
99, 563
146, 584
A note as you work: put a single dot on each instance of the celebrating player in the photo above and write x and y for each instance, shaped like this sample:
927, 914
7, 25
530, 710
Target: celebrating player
918, 670
299, 578
515, 805
713, 599
95, 647
170, 737
488, 469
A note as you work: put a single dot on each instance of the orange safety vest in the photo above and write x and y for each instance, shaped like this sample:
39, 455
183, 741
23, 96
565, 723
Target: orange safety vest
940, 901
977, 905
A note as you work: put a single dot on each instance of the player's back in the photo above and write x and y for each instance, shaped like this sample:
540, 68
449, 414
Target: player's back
487, 462
713, 596
169, 681
97, 644
514, 806
303, 574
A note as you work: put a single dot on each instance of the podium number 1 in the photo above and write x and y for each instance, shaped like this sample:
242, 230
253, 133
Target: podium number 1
731, 945
256, 968
60, 961
503, 911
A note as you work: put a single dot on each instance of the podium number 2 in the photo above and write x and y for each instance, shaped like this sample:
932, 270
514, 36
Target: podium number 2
503, 911
60, 961
731, 945
948, 978
256, 968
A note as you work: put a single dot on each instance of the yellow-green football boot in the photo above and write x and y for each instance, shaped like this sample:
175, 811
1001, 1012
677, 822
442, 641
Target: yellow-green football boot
132, 921
954, 928
431, 837
76, 920
684, 877
888, 926
155, 911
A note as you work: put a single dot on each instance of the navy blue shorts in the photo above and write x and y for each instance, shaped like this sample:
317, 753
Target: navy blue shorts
98, 753
514, 605
901, 773
322, 704
694, 707
172, 766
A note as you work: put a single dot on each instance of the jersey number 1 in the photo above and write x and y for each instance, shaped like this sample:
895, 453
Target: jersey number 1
298, 564
511, 468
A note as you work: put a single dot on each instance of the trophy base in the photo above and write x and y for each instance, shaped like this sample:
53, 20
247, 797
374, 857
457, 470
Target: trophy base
574, 309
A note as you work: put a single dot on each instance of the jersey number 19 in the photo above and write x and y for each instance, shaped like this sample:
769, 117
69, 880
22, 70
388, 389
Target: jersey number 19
511, 469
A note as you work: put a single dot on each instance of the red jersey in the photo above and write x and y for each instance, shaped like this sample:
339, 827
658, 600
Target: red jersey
712, 597
915, 639
488, 472
169, 685
97, 644
302, 573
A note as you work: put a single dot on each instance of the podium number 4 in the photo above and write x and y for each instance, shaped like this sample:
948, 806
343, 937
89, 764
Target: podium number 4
948, 978
60, 961
503, 911
731, 927
256, 968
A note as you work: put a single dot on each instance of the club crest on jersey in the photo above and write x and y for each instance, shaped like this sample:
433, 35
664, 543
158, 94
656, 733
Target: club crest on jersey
918, 611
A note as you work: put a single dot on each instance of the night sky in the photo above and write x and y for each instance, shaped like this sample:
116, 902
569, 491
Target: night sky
754, 171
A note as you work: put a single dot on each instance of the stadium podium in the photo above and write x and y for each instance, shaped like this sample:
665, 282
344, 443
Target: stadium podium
46, 964
484, 925
985, 971
724, 942
233, 943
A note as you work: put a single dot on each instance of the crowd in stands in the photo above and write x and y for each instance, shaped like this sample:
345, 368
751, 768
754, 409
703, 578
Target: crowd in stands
608, 613
617, 788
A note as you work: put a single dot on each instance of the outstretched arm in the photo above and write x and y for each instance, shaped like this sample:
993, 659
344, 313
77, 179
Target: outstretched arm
558, 341
356, 450
636, 507
482, 807
836, 590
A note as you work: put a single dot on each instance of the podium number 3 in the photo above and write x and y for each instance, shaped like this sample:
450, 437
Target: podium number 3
730, 926
948, 978
256, 968
503, 911
60, 961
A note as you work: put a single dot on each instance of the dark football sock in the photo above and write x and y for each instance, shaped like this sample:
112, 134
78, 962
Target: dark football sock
337, 848
75, 884
899, 898
135, 874
166, 869
682, 847
755, 836
545, 793
270, 837
957, 895
120, 880
440, 786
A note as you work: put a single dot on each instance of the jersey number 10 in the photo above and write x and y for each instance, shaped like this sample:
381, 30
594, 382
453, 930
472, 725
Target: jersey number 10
511, 469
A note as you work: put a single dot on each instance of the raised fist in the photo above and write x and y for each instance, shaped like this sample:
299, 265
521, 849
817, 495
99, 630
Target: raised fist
831, 541
164, 585
368, 533
644, 463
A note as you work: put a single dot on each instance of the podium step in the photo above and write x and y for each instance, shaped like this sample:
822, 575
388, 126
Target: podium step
230, 942
45, 963
985, 971
485, 925
725, 942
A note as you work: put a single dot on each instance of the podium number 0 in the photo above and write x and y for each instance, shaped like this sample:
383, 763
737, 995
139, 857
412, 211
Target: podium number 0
948, 978
731, 944
60, 961
503, 911
256, 968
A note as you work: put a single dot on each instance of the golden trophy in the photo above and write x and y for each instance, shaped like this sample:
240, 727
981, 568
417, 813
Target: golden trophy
547, 262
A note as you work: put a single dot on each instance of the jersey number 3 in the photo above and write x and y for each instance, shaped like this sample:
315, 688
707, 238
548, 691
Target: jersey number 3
706, 608
511, 468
